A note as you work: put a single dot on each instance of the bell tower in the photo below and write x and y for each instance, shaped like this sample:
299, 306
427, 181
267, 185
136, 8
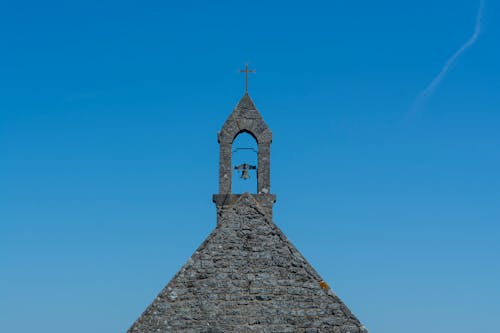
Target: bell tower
246, 276
245, 118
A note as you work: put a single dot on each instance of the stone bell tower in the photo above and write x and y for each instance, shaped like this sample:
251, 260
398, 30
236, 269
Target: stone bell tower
245, 119
246, 276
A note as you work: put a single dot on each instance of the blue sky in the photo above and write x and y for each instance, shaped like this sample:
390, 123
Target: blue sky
108, 153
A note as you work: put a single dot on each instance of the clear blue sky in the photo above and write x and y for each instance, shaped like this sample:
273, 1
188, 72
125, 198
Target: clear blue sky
108, 153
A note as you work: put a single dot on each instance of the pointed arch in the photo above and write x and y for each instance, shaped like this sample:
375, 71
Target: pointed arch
245, 163
245, 118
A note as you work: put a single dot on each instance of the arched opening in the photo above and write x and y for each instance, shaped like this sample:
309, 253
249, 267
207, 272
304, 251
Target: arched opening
244, 163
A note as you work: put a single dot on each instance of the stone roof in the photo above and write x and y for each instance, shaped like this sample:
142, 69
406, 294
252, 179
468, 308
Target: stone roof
247, 277
245, 118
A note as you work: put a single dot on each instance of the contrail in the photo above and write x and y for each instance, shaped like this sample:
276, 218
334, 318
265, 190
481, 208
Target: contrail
429, 90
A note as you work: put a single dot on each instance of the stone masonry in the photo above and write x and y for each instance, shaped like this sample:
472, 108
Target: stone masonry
245, 118
246, 276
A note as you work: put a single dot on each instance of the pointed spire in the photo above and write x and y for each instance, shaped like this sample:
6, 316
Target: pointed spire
246, 103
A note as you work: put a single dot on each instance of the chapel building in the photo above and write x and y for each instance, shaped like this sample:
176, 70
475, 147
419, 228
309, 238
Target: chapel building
246, 276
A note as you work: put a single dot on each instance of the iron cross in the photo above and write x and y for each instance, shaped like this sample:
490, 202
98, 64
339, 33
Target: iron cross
246, 71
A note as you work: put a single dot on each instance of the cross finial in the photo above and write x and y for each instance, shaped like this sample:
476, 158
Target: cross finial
246, 71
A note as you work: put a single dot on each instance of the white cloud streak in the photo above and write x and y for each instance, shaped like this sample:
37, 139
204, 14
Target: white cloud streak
430, 89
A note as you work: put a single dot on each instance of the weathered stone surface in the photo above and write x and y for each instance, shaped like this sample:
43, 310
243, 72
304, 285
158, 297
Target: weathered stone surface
245, 118
265, 201
247, 277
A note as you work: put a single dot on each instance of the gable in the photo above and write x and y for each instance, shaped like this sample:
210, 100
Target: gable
247, 277
245, 118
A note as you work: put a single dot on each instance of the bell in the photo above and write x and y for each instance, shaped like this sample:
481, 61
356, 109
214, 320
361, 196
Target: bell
245, 174
244, 170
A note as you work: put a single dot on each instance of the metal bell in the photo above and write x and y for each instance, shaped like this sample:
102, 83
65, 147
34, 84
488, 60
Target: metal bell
244, 170
245, 174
